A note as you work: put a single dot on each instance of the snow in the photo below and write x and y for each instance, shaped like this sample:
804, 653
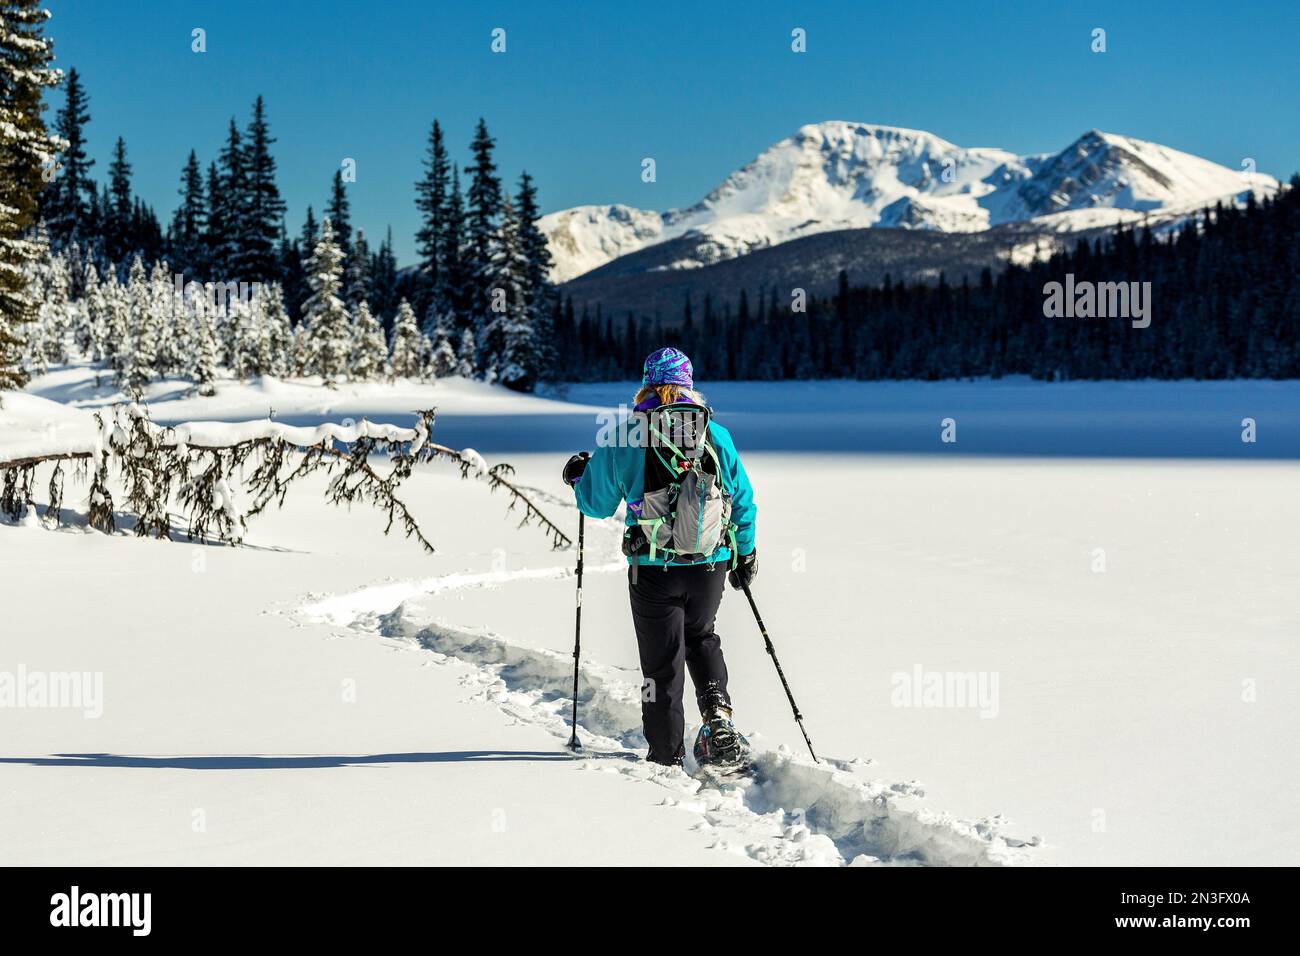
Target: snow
174, 400
585, 237
844, 175
326, 694
30, 426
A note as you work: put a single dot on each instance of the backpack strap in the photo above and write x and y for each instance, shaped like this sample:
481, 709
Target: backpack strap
675, 468
732, 527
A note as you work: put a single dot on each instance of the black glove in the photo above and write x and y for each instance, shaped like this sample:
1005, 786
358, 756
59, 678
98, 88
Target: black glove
746, 569
575, 466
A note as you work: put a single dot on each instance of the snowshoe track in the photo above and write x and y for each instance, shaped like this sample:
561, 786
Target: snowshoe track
789, 812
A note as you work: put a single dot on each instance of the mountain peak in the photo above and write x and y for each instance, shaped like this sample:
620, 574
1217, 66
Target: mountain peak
839, 174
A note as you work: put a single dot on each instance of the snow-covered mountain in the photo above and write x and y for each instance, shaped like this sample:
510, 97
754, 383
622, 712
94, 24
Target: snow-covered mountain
841, 175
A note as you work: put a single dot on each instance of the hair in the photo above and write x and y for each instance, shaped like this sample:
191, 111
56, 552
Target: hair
668, 394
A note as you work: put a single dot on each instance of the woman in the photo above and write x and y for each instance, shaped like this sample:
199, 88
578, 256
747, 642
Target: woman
675, 587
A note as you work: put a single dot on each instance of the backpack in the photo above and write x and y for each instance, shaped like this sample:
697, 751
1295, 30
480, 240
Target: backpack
685, 509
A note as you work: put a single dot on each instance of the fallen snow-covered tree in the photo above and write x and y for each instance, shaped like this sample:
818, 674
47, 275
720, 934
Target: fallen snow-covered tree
223, 474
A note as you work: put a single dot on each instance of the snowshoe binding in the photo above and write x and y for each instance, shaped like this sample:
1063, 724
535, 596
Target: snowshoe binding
719, 746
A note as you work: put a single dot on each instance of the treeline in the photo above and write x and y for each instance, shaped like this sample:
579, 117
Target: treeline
148, 328
481, 283
1224, 294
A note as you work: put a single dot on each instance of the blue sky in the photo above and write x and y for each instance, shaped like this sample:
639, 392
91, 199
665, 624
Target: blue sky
585, 91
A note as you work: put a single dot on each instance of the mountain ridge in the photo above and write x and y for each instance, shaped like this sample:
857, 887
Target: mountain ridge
838, 175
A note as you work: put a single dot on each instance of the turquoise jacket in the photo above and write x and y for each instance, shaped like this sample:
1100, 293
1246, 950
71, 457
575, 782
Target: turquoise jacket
616, 473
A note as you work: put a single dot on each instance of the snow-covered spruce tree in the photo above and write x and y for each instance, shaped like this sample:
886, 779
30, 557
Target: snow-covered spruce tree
538, 291
338, 212
91, 330
79, 317
261, 347
117, 340
76, 263
241, 338
484, 205
55, 309
357, 274
144, 328
278, 330
406, 355
171, 333
300, 352
35, 360
204, 368
180, 320
508, 337
442, 357
325, 315
27, 151
369, 351
466, 355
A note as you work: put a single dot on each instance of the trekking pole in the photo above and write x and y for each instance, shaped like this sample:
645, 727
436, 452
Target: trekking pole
798, 717
574, 743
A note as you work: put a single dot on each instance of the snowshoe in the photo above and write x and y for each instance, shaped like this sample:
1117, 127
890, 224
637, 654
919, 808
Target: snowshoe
718, 745
721, 749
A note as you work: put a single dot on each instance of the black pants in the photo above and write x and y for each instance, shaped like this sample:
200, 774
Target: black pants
673, 613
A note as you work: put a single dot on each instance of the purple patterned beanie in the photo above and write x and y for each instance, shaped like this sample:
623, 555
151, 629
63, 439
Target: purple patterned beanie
668, 367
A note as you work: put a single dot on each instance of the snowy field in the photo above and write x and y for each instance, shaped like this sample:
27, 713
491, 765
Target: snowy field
1096, 563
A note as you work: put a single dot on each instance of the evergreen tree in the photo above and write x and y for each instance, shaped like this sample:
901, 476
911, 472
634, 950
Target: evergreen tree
216, 236
337, 210
508, 351
358, 273
47, 341
231, 209
310, 230
144, 331
172, 337
466, 355
293, 283
104, 216
117, 325
383, 278
26, 150
484, 204
539, 294
191, 221
71, 196
279, 334
449, 304
408, 346
264, 211
144, 234
324, 314
262, 349
242, 338
117, 225
431, 201
205, 355
442, 357
369, 351
94, 344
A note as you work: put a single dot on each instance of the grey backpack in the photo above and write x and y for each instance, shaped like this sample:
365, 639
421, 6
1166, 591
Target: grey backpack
684, 513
